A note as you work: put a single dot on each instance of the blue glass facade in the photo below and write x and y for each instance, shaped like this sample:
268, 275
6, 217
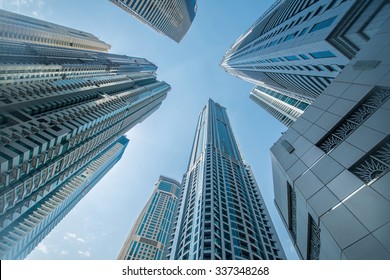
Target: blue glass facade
285, 106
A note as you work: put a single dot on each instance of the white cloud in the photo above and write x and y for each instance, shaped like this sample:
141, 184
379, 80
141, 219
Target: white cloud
63, 252
74, 236
71, 235
34, 7
80, 240
20, 3
42, 248
84, 253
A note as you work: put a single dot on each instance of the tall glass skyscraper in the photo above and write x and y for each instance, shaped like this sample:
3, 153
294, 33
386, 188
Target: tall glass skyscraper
221, 213
302, 45
60, 107
19, 239
150, 234
19, 28
172, 18
284, 105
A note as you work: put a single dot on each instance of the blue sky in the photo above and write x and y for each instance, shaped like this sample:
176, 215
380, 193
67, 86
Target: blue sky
97, 227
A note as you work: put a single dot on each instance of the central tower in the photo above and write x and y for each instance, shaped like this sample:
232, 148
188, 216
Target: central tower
221, 213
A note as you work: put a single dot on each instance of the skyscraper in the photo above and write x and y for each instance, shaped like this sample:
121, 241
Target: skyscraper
301, 46
331, 167
172, 18
284, 105
150, 234
18, 240
59, 109
19, 28
221, 213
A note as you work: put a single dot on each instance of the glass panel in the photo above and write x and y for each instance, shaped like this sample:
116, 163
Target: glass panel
291, 57
323, 24
323, 54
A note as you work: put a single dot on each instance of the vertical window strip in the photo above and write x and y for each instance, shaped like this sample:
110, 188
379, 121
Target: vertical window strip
314, 240
292, 211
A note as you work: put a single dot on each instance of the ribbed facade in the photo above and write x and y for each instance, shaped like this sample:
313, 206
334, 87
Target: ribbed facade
283, 105
331, 167
302, 45
59, 109
221, 212
19, 28
149, 236
17, 241
170, 17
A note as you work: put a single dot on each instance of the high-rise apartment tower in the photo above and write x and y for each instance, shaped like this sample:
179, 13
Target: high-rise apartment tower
150, 234
19, 28
60, 107
331, 167
302, 45
19, 239
284, 105
172, 18
221, 213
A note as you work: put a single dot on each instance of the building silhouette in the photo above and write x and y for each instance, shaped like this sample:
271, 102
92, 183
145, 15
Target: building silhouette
150, 234
172, 18
60, 108
221, 213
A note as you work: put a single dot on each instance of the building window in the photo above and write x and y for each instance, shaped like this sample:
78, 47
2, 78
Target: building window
330, 68
291, 57
290, 36
303, 31
323, 54
322, 24
292, 211
314, 240
304, 56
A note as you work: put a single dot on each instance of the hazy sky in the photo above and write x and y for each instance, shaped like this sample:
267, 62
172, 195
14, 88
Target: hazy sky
97, 227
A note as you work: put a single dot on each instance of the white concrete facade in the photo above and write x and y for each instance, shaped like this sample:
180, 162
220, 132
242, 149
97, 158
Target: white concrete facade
330, 168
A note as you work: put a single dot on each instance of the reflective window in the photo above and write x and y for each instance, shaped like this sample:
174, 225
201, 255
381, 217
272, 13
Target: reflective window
291, 57
304, 56
323, 54
303, 31
323, 24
